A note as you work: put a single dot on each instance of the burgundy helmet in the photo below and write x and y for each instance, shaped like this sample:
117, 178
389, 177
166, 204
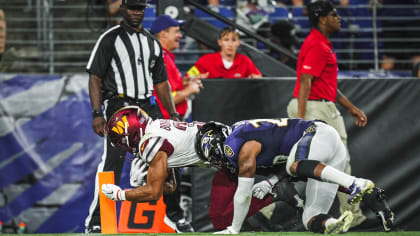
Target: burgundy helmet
127, 126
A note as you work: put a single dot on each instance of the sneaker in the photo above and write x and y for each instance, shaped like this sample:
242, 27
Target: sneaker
95, 229
376, 201
342, 225
183, 226
387, 219
358, 189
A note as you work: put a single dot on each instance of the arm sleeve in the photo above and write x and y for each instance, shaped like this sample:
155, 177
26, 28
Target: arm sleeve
241, 202
315, 61
159, 73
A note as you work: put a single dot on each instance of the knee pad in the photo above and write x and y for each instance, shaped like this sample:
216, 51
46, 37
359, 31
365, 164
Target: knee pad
305, 168
316, 224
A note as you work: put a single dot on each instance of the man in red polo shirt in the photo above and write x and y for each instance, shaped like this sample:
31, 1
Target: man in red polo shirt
316, 90
168, 33
226, 63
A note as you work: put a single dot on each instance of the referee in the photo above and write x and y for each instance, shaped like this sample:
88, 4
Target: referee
124, 66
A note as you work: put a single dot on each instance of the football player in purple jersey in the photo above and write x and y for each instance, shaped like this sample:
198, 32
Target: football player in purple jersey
312, 150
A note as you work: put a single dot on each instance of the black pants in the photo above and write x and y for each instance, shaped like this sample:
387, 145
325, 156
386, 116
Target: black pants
115, 156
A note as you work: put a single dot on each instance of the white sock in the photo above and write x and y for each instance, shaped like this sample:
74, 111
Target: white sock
241, 202
332, 175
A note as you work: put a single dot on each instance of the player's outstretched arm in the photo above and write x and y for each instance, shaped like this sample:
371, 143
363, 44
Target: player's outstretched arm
156, 177
138, 176
153, 189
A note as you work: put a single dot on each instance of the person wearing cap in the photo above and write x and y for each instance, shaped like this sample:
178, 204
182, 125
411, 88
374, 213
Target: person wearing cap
125, 67
226, 63
167, 32
316, 92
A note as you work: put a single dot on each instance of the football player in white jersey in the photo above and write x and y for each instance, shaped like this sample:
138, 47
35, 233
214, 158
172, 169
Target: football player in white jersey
161, 144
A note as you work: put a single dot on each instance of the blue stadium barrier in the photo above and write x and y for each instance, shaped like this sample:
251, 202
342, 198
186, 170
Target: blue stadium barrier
280, 13
149, 17
224, 11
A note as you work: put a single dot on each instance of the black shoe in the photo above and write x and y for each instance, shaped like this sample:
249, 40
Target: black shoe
182, 226
376, 201
95, 229
285, 191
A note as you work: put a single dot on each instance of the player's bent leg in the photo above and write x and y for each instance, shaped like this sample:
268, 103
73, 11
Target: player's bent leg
319, 199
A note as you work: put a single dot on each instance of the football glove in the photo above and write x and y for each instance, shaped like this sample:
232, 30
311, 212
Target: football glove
138, 172
113, 192
261, 189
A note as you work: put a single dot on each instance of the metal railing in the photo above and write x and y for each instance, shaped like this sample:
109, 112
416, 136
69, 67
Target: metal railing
56, 36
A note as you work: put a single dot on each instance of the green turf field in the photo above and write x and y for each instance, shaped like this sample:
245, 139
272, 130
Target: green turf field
395, 233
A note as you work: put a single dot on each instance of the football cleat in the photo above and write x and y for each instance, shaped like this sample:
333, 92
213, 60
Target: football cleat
342, 225
183, 226
358, 189
376, 201
387, 219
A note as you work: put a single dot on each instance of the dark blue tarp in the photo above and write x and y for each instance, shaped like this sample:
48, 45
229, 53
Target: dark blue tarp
46, 150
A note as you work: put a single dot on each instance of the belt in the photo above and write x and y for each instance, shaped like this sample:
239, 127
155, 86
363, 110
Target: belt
319, 100
150, 100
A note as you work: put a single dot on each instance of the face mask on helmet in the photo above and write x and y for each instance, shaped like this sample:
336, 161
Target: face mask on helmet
209, 144
126, 127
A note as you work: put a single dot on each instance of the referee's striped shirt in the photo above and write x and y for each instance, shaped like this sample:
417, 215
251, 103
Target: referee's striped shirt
123, 59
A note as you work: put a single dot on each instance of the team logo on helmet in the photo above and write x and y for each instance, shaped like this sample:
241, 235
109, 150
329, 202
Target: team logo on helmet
228, 151
205, 143
120, 126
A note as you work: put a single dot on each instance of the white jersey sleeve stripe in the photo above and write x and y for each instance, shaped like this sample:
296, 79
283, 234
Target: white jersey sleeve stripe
152, 148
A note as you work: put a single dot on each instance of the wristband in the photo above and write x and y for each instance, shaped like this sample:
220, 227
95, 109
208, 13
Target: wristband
271, 185
97, 113
121, 195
